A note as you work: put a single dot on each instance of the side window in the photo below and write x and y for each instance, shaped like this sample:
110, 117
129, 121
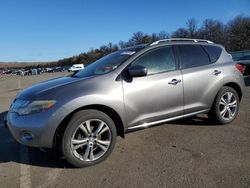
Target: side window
193, 56
158, 60
213, 51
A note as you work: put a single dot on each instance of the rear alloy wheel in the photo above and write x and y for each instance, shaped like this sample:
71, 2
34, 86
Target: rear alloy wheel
225, 107
89, 138
228, 106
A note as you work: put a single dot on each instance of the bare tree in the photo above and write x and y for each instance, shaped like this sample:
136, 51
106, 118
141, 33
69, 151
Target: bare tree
163, 35
213, 30
180, 33
140, 38
238, 34
122, 44
192, 28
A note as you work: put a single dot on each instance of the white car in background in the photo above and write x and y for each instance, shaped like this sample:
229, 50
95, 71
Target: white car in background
76, 67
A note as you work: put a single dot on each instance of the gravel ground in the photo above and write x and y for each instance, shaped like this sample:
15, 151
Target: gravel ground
184, 153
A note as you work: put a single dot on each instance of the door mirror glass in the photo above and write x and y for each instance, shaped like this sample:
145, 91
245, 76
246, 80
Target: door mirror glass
137, 71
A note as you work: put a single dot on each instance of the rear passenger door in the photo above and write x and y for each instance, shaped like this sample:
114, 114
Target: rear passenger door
202, 76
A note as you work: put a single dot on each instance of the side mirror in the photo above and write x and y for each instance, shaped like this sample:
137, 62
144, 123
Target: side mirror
137, 71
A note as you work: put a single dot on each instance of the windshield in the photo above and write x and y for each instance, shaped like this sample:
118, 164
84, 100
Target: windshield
106, 64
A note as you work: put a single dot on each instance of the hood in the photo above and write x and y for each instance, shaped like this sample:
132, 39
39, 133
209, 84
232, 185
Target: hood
43, 88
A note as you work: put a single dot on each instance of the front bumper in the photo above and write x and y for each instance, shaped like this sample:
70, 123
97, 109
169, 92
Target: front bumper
35, 130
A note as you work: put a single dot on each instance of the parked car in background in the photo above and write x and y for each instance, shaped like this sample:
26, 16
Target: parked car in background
40, 70
7, 72
20, 72
26, 72
76, 68
58, 69
245, 62
50, 70
127, 90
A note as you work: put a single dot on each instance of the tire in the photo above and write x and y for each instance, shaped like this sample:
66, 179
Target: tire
220, 112
89, 138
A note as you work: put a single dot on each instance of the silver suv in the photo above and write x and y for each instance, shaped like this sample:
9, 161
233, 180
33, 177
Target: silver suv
127, 90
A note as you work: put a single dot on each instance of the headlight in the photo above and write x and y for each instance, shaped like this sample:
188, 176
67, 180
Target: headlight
24, 107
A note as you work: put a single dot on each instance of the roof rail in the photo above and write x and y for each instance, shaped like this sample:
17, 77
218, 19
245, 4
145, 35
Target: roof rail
180, 39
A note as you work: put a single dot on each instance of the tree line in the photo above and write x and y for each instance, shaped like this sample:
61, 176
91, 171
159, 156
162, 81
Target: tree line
234, 36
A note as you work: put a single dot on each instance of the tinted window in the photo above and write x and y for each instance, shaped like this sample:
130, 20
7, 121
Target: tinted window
158, 60
193, 56
214, 52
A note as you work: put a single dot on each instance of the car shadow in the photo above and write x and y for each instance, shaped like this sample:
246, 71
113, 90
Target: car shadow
194, 121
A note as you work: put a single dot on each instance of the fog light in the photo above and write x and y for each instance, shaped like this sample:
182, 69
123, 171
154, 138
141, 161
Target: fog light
26, 136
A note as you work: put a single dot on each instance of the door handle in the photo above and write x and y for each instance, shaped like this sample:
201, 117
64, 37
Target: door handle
216, 72
174, 82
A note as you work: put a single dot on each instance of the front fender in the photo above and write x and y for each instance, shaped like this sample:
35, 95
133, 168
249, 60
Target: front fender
115, 102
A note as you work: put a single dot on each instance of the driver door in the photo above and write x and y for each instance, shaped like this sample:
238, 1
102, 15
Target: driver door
157, 96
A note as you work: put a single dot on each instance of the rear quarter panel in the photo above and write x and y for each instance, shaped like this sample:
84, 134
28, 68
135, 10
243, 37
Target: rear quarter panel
231, 73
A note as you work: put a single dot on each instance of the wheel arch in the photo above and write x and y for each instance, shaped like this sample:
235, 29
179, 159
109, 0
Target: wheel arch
236, 87
105, 109
233, 85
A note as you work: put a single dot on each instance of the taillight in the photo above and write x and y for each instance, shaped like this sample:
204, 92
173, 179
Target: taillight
240, 67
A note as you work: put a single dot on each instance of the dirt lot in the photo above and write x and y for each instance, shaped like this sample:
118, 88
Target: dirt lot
186, 153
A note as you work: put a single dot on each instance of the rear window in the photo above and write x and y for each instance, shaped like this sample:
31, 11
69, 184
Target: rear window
192, 56
214, 52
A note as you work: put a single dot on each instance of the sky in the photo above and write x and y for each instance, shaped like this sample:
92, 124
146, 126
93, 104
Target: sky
48, 30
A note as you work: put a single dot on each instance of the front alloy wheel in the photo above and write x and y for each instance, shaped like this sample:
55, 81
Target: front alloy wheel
89, 138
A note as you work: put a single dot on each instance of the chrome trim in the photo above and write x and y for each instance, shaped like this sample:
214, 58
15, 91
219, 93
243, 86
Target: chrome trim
145, 125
